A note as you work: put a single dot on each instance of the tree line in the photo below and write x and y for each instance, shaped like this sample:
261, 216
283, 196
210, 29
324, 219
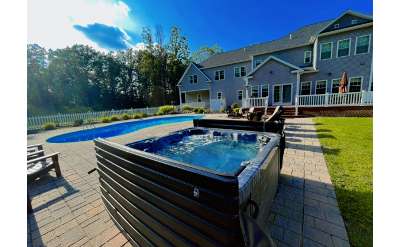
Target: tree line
80, 78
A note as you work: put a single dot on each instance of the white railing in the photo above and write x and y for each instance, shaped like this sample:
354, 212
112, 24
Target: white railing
36, 122
255, 102
196, 104
337, 99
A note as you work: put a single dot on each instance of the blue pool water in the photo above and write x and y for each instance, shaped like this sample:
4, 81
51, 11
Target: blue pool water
118, 129
221, 152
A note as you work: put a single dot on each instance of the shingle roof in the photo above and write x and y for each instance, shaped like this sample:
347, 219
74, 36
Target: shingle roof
302, 36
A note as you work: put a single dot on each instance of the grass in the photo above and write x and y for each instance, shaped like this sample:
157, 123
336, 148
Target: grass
347, 145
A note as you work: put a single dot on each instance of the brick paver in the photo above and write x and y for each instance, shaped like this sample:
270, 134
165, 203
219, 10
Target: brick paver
68, 211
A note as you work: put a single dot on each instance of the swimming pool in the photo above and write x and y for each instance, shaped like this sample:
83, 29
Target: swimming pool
118, 129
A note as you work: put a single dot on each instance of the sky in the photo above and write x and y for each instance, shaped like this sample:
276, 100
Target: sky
117, 24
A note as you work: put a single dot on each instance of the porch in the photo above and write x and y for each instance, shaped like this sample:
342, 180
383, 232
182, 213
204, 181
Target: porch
195, 99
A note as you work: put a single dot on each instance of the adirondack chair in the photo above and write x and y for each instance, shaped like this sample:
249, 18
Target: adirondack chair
39, 164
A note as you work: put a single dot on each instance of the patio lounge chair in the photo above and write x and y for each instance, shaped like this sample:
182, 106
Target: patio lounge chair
275, 116
34, 148
254, 114
41, 165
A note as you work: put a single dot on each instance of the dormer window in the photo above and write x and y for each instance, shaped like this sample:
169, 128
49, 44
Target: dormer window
336, 26
193, 79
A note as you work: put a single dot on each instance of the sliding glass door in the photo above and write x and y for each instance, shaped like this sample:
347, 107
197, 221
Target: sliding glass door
283, 94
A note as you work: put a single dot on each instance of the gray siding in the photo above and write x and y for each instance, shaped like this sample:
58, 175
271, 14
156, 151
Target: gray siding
354, 65
230, 85
201, 84
294, 56
273, 73
345, 22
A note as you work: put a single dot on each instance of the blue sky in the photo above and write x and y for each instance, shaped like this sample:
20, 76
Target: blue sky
114, 25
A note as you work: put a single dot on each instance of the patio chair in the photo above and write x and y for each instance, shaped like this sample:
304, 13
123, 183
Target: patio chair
254, 114
275, 116
39, 166
34, 148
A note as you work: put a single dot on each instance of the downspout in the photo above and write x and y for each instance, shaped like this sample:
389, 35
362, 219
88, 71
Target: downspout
297, 93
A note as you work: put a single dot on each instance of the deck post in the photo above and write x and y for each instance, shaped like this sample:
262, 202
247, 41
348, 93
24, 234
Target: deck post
297, 93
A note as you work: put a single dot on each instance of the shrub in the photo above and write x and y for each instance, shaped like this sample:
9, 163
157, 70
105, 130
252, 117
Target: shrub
235, 105
166, 109
236, 110
187, 108
78, 122
201, 110
114, 118
49, 126
105, 120
137, 116
196, 110
126, 117
144, 114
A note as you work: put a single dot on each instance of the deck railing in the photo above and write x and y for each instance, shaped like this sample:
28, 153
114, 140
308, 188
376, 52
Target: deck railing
36, 122
336, 99
255, 102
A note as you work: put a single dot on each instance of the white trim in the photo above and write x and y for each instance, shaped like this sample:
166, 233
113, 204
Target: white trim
251, 91
259, 61
337, 48
199, 97
332, 83
345, 13
320, 50
368, 24
361, 85
281, 94
187, 69
195, 90
278, 60
219, 92
370, 76
311, 59
237, 94
326, 86
369, 45
336, 25
301, 84
266, 85
197, 79
219, 76
240, 71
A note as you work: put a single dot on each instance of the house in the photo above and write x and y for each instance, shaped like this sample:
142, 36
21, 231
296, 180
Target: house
300, 69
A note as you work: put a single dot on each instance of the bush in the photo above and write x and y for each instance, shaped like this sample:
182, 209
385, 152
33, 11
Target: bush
236, 110
105, 120
78, 122
114, 118
144, 114
187, 108
166, 109
201, 110
137, 116
126, 117
196, 110
49, 126
235, 105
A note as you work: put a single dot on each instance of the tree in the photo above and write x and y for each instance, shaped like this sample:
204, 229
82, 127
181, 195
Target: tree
203, 53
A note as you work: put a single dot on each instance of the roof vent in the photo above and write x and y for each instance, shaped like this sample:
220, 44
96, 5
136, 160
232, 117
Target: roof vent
244, 49
290, 36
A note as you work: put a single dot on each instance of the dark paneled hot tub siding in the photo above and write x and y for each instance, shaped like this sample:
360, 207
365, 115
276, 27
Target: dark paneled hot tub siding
154, 203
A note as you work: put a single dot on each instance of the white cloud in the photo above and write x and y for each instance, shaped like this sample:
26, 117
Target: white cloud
50, 22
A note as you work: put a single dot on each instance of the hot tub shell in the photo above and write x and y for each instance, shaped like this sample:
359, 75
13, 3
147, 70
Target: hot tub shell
157, 201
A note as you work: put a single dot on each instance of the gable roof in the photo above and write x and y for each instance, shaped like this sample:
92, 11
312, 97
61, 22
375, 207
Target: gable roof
197, 68
348, 12
276, 59
301, 37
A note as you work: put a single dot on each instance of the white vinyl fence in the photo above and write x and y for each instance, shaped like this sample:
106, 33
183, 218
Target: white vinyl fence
68, 119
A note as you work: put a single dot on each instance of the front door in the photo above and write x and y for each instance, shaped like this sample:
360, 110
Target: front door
283, 94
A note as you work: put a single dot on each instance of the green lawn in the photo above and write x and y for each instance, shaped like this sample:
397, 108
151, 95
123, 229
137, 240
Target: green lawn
347, 145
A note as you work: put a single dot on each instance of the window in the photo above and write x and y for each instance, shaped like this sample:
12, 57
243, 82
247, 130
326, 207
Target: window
326, 51
258, 62
219, 75
254, 92
240, 71
307, 56
320, 87
193, 79
355, 84
343, 48
283, 93
305, 88
337, 25
183, 97
199, 98
354, 21
277, 93
219, 95
335, 86
264, 90
362, 44
240, 94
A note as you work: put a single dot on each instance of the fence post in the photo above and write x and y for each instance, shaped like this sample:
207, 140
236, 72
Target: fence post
326, 99
362, 97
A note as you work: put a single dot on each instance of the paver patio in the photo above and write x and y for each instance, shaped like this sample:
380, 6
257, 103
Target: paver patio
68, 211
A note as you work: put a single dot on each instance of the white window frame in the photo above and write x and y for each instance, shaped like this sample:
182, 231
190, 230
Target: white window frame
336, 25
281, 94
320, 50
337, 47
326, 86
251, 91
361, 85
234, 71
369, 44
305, 56
219, 95
199, 99
240, 71
301, 84
261, 88
355, 21
219, 75
332, 83
260, 61
237, 95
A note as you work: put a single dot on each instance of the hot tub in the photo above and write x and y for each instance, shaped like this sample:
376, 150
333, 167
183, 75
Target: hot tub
195, 187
